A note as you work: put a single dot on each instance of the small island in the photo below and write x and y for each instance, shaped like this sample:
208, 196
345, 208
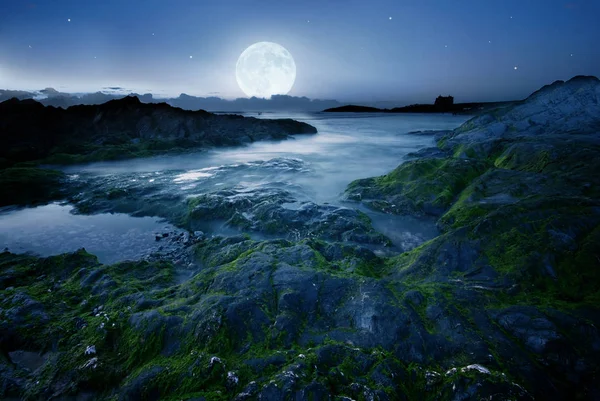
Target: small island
443, 104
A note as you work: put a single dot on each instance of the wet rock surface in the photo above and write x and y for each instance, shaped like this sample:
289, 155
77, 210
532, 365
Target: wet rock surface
277, 212
503, 304
266, 210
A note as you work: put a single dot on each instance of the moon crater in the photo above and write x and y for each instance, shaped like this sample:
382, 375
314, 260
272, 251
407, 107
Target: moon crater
265, 69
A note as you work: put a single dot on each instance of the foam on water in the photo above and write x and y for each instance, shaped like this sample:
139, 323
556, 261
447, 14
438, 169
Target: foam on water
314, 168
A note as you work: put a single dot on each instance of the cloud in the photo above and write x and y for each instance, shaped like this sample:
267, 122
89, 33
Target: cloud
50, 92
116, 90
6, 94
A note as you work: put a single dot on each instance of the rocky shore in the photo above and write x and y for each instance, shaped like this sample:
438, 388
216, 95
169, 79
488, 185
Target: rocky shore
33, 134
502, 305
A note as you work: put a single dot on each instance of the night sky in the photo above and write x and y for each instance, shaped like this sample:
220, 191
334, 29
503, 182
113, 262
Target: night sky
406, 51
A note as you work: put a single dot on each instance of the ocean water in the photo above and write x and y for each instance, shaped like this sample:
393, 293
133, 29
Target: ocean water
52, 229
313, 168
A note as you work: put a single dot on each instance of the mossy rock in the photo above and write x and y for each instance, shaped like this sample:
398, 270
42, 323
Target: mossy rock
426, 186
29, 186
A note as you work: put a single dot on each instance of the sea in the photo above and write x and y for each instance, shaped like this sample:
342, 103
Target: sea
315, 168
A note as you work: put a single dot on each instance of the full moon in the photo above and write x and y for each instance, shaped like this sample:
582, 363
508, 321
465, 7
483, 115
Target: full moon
265, 69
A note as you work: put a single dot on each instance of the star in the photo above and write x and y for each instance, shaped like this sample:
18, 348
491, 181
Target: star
390, 18
516, 68
511, 17
152, 33
68, 19
445, 45
191, 57
308, 21
489, 41
31, 47
571, 53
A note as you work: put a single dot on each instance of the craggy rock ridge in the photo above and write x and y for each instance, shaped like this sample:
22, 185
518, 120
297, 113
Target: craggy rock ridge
121, 129
503, 305
517, 195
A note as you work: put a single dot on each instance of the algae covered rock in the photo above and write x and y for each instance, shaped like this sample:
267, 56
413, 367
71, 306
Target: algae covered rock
28, 186
423, 186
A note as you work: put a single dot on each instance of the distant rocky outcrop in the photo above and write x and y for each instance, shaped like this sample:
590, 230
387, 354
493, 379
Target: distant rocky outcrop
123, 128
444, 101
351, 108
443, 104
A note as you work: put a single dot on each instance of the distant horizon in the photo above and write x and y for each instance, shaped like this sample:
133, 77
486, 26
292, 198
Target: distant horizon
49, 96
110, 93
425, 97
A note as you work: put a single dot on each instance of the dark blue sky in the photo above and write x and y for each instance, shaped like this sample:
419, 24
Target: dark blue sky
350, 50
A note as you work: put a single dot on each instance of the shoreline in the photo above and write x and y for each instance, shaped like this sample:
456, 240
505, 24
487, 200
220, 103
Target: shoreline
503, 302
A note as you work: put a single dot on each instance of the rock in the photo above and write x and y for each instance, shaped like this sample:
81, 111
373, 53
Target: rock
529, 326
143, 386
30, 361
265, 210
421, 187
30, 186
124, 128
232, 380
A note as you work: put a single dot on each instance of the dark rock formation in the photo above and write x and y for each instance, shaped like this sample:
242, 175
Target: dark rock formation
21, 185
123, 128
442, 105
353, 109
444, 102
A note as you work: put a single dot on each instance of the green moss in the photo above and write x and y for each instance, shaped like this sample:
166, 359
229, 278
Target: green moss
466, 210
22, 185
442, 142
467, 126
525, 157
464, 150
529, 244
579, 270
403, 261
426, 185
